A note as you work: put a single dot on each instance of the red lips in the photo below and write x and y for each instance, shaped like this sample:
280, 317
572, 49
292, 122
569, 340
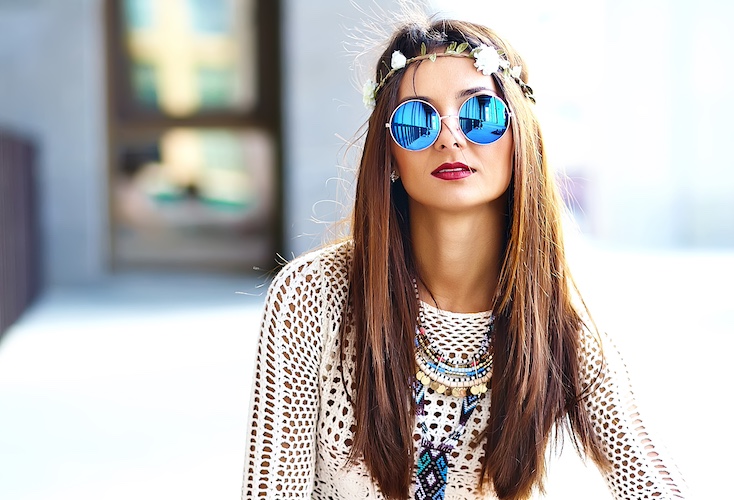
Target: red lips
452, 171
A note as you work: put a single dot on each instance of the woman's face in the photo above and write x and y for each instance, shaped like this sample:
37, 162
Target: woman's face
453, 174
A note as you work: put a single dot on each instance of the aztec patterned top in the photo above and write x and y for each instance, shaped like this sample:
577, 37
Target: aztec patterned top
301, 423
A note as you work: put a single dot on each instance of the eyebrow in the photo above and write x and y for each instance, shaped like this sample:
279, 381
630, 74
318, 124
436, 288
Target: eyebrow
459, 95
475, 90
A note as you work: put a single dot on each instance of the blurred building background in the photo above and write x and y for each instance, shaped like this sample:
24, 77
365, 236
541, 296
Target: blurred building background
184, 132
179, 145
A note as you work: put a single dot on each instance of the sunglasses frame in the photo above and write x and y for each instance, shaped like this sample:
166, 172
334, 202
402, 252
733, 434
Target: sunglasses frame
440, 119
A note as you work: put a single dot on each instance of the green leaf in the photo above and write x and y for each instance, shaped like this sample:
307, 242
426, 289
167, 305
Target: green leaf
461, 48
423, 49
432, 57
451, 47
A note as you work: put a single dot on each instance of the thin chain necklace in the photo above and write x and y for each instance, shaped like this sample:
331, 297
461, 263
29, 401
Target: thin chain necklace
467, 379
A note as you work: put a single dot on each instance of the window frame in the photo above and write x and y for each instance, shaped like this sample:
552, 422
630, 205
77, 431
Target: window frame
128, 123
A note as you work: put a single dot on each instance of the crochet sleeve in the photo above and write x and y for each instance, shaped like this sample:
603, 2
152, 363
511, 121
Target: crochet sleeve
640, 467
284, 400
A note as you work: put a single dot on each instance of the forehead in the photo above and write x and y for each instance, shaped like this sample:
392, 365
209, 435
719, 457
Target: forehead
443, 79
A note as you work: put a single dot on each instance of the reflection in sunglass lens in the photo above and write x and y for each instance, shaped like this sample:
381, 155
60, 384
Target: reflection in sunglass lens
483, 119
415, 125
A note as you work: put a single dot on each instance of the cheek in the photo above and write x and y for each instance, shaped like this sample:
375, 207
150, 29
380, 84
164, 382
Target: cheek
401, 159
499, 159
507, 153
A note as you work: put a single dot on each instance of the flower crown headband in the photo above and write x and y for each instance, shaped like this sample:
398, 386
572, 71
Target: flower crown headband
487, 60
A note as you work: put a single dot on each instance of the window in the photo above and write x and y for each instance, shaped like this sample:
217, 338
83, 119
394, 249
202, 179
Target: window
194, 133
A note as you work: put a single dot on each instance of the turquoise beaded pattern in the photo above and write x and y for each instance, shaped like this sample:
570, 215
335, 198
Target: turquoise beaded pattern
432, 467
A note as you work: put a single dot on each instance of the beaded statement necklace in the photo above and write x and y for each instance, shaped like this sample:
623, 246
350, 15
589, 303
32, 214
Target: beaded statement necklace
448, 376
463, 378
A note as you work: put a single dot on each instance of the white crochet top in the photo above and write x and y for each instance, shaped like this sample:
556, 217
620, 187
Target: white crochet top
301, 421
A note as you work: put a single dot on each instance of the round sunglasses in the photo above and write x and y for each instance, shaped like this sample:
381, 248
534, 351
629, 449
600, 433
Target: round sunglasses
416, 124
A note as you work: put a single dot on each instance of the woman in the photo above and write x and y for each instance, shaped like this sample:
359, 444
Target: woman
435, 353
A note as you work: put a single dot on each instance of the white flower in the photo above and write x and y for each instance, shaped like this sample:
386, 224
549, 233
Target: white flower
368, 94
515, 71
487, 59
398, 60
504, 63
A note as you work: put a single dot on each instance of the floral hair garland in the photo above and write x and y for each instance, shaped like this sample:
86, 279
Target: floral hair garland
487, 60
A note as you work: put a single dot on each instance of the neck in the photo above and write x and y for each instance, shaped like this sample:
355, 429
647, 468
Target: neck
458, 256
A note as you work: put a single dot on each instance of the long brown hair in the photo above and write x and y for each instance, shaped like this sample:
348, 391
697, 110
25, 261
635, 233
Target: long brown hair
536, 382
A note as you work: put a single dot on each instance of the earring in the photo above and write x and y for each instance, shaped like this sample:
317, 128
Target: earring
394, 176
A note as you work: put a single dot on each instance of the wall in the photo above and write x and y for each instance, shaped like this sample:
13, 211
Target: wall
667, 176
664, 178
633, 100
52, 90
323, 109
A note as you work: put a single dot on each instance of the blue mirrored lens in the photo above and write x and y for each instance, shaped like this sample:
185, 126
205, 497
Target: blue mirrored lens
415, 125
483, 119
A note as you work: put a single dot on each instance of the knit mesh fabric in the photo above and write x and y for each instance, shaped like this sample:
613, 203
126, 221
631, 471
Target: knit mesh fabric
301, 423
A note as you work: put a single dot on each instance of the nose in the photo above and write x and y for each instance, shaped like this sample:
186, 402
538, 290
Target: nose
450, 135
